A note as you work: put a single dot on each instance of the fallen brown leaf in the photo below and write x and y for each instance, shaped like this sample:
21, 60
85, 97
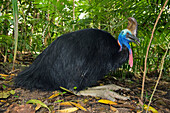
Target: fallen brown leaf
79, 106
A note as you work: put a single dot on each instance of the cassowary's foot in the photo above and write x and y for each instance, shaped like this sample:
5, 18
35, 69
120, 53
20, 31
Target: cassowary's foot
105, 92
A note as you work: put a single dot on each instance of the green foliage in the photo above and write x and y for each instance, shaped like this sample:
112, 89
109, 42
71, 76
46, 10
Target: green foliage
41, 20
58, 101
34, 101
6, 94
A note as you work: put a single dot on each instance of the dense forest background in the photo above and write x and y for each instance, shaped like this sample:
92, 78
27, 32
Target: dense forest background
27, 27
40, 22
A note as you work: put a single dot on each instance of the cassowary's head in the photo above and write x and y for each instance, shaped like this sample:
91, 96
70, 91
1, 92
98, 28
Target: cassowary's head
129, 35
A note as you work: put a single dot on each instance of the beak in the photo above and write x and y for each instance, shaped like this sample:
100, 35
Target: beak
133, 39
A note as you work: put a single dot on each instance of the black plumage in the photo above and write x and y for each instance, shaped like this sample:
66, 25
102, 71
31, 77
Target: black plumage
76, 59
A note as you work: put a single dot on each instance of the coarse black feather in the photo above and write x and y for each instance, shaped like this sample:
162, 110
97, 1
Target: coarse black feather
76, 59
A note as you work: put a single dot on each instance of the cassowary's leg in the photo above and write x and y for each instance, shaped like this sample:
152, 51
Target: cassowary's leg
105, 92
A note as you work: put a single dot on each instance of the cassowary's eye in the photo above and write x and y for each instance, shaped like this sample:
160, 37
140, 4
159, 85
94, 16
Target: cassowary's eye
122, 32
127, 34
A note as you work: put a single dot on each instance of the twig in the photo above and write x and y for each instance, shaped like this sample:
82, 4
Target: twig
144, 74
160, 74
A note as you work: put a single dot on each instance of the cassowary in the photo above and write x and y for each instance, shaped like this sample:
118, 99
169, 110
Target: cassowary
79, 59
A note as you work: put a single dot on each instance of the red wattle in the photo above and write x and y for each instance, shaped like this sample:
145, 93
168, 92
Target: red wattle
130, 58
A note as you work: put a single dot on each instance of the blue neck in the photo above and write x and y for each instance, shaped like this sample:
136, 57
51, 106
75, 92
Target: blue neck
122, 42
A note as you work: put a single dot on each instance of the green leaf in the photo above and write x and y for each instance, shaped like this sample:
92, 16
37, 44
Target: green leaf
3, 78
75, 88
12, 92
16, 96
34, 101
58, 101
4, 86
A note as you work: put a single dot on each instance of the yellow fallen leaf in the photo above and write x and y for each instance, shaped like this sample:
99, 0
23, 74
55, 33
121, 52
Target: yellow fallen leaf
107, 102
85, 100
65, 104
3, 101
4, 75
79, 106
150, 109
68, 110
66, 90
37, 107
54, 95
12, 74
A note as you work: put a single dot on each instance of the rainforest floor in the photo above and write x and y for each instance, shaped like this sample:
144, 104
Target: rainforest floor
19, 100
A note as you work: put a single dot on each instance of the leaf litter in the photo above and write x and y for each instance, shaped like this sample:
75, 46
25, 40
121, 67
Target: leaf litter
57, 101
